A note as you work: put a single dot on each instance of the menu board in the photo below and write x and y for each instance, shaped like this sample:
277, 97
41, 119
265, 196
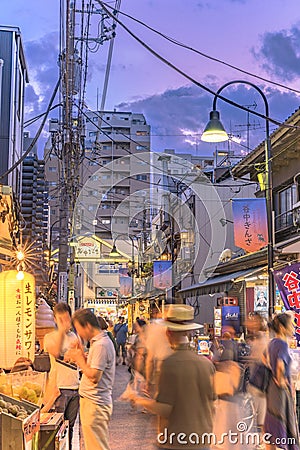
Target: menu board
217, 321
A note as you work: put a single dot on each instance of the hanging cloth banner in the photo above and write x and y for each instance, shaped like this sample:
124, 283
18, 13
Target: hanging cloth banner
162, 274
288, 283
250, 223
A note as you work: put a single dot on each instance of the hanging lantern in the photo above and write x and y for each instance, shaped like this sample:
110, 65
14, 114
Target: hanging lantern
17, 317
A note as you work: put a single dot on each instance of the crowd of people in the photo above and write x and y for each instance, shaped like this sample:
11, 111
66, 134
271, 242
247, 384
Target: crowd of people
199, 400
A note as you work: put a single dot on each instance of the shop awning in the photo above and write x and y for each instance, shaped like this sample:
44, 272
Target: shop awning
220, 283
291, 245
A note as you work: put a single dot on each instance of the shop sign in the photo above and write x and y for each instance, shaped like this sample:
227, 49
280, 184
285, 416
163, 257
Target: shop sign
17, 317
162, 274
288, 283
250, 223
231, 317
30, 426
203, 345
109, 293
87, 248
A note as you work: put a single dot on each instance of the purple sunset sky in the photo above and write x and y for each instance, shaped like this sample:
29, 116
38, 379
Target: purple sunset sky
261, 37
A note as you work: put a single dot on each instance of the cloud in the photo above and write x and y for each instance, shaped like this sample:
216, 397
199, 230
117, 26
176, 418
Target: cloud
279, 53
188, 107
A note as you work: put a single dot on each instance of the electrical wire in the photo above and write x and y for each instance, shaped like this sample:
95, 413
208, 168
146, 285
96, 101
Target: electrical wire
38, 133
188, 77
181, 44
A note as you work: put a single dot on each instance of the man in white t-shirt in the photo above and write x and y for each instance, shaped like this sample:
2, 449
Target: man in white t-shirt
98, 372
63, 376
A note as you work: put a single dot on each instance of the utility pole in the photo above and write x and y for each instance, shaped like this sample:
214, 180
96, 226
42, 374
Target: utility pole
70, 154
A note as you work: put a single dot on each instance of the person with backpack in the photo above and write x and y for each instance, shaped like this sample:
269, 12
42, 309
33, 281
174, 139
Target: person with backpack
120, 333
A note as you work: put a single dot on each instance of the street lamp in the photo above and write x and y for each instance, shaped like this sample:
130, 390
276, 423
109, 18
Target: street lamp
215, 132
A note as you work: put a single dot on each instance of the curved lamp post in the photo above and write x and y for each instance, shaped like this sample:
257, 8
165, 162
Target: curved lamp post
215, 132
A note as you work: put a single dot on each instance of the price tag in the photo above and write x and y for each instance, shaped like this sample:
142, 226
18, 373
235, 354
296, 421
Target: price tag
30, 426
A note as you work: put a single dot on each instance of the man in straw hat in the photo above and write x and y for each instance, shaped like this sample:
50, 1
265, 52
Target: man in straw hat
184, 403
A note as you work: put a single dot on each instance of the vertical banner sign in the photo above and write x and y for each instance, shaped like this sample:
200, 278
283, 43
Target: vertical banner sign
62, 287
231, 318
17, 317
288, 283
162, 274
250, 223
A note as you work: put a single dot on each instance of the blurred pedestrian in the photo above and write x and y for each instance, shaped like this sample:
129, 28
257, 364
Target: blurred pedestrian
258, 342
98, 371
280, 421
120, 333
184, 403
63, 379
158, 348
104, 326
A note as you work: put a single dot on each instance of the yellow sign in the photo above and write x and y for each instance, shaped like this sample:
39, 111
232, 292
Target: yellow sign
17, 317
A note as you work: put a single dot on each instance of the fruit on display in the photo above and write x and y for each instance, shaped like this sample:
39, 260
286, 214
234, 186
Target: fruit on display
28, 391
17, 411
6, 389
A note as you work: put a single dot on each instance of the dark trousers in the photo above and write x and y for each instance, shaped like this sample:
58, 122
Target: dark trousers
68, 404
123, 346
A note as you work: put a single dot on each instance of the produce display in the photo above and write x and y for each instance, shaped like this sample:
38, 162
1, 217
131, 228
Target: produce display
17, 411
26, 385
28, 391
6, 388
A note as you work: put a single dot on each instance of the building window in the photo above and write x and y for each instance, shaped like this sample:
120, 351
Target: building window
142, 133
92, 208
105, 221
93, 193
93, 133
52, 183
94, 178
141, 177
285, 201
141, 147
52, 169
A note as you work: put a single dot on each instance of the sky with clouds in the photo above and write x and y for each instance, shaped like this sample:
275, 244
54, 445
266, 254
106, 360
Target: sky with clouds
259, 37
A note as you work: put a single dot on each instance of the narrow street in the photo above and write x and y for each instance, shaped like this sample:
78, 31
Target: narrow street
129, 429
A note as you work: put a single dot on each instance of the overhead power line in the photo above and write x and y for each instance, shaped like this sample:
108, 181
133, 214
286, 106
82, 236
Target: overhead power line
188, 77
192, 49
38, 133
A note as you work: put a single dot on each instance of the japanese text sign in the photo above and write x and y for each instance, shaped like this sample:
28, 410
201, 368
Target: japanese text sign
288, 283
250, 223
17, 317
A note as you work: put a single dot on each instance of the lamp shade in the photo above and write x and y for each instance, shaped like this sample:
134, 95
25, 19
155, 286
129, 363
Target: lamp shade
114, 252
17, 317
214, 130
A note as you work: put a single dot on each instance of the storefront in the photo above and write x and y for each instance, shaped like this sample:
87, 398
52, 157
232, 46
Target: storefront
226, 291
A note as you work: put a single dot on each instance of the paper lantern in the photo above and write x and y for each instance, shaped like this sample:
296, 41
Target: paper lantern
17, 317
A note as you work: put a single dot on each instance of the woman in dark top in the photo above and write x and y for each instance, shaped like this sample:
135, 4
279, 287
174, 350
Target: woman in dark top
280, 420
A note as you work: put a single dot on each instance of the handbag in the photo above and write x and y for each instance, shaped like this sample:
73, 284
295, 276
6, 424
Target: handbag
260, 377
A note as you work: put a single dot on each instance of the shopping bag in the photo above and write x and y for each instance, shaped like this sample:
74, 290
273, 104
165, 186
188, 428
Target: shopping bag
260, 376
